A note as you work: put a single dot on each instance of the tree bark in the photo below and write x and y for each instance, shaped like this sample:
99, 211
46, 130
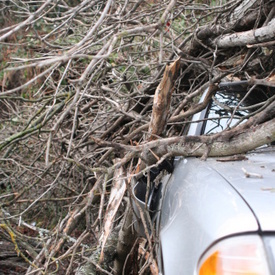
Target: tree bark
242, 141
162, 100
126, 238
242, 9
263, 34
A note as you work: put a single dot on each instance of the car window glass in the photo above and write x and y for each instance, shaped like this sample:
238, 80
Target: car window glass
231, 107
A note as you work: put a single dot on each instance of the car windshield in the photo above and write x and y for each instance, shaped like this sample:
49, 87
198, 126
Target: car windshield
232, 106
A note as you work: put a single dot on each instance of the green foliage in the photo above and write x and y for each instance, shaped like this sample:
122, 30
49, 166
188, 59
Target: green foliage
145, 70
179, 24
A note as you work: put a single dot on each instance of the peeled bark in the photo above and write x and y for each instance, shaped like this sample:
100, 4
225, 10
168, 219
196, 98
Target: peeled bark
162, 100
116, 196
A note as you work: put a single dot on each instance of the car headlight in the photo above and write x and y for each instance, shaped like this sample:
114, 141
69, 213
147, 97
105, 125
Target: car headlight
235, 256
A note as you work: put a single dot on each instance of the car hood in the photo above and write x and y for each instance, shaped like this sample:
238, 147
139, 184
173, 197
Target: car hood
254, 179
205, 201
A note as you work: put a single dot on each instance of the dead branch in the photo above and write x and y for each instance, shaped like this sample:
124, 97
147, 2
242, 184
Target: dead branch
115, 199
76, 93
260, 35
162, 99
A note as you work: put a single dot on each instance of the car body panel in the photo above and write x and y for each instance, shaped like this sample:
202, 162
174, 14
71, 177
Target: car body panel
258, 190
197, 210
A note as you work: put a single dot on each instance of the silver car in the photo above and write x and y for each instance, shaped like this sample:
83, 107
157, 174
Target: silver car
216, 216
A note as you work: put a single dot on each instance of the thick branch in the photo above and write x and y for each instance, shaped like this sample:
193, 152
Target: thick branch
259, 35
241, 139
242, 142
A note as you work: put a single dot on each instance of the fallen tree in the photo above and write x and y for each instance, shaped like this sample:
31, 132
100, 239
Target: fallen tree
94, 93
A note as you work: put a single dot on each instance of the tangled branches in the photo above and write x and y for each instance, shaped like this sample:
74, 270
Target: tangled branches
77, 86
